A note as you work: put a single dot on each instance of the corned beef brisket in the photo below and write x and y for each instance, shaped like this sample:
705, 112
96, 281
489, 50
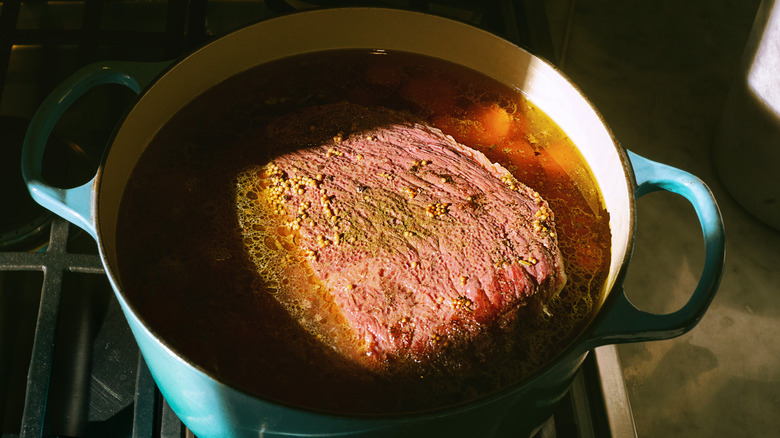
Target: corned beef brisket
422, 243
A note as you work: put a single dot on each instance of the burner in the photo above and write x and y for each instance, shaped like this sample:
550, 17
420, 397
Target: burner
26, 228
64, 164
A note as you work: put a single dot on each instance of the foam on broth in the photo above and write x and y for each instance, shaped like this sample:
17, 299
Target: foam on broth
195, 279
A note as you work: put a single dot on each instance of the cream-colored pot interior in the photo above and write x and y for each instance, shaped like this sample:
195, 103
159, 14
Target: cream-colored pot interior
370, 28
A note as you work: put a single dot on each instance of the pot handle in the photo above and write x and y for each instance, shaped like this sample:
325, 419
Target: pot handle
621, 321
75, 204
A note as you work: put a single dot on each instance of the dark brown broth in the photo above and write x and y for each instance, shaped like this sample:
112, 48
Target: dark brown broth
183, 265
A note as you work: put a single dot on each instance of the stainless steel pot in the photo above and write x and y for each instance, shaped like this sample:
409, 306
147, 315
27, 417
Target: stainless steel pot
212, 408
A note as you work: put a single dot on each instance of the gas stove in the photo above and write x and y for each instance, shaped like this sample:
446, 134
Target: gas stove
70, 366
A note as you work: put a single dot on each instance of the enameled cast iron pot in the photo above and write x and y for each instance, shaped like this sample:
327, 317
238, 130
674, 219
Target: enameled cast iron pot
213, 409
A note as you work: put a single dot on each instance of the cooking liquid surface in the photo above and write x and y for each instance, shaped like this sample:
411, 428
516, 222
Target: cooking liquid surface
184, 266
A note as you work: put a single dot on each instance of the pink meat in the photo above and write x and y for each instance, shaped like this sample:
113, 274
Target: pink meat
421, 241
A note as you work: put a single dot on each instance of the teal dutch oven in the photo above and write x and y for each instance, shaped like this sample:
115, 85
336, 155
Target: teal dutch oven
211, 408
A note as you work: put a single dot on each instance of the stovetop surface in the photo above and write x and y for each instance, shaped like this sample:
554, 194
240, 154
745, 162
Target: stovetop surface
659, 72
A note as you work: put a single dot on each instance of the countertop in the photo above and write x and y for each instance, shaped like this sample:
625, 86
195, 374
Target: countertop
659, 72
